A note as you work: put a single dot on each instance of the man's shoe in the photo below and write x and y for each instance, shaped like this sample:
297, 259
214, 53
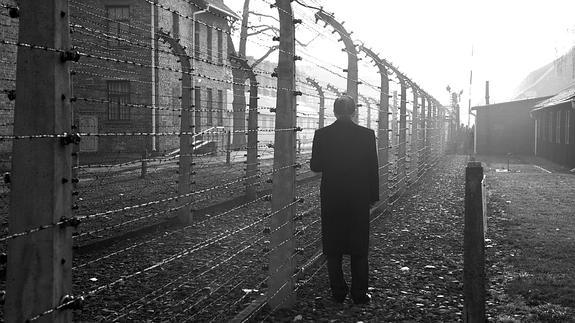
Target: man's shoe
363, 300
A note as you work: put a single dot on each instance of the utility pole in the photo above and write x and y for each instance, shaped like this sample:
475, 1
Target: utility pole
414, 135
352, 71
281, 282
39, 273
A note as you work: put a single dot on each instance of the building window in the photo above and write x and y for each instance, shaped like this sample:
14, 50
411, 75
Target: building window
568, 127
118, 100
209, 43
210, 106
220, 107
220, 47
558, 127
197, 34
175, 25
197, 109
118, 25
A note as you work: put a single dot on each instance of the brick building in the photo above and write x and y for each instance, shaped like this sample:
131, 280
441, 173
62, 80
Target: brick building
133, 84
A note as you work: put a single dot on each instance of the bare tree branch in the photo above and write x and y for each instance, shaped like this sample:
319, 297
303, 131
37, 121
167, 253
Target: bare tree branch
258, 26
268, 53
275, 30
264, 15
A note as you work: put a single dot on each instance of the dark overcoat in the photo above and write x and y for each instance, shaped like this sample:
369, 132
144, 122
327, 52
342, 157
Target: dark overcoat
346, 155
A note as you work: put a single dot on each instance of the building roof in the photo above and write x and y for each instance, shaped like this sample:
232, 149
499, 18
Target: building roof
219, 5
549, 79
566, 95
528, 103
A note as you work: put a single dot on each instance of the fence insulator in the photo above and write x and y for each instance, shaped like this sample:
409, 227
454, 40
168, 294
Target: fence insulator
273, 110
70, 138
298, 129
14, 12
70, 302
12, 95
70, 55
276, 38
297, 21
345, 70
297, 93
274, 74
70, 222
267, 230
297, 58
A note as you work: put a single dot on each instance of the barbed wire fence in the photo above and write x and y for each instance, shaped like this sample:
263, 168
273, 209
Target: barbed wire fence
131, 192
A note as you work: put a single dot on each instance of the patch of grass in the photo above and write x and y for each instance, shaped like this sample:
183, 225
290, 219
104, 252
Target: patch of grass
537, 243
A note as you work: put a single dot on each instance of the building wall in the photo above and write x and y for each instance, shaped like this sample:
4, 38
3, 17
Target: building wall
556, 134
91, 76
211, 73
135, 52
506, 128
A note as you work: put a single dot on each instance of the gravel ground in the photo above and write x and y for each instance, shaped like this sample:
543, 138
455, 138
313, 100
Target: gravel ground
207, 271
416, 260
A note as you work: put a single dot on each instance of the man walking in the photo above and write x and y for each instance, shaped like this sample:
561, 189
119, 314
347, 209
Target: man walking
346, 155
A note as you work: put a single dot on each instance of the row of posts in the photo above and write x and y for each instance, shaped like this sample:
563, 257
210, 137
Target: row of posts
39, 273
426, 143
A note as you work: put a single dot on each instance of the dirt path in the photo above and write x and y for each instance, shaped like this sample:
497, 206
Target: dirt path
416, 251
415, 260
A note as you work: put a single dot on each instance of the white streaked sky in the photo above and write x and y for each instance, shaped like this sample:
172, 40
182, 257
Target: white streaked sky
431, 40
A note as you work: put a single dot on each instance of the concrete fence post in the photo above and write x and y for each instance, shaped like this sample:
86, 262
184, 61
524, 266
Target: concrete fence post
352, 70
252, 167
281, 268
144, 168
474, 282
39, 272
187, 129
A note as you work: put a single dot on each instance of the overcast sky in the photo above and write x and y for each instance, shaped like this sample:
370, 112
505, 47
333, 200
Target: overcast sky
431, 40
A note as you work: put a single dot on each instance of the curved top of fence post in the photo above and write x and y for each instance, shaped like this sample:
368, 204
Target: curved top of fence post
316, 85
383, 69
177, 48
329, 19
